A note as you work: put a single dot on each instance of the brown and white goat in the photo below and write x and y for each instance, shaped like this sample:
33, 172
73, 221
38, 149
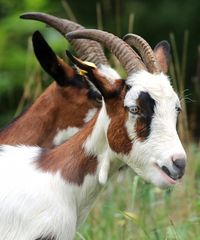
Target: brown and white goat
47, 193
68, 103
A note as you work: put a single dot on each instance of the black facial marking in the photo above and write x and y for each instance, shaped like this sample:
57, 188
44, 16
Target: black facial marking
143, 123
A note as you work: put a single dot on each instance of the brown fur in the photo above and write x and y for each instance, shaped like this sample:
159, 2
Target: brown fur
108, 90
117, 134
57, 108
70, 158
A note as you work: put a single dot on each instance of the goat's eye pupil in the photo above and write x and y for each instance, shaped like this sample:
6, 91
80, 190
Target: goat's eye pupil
134, 109
99, 99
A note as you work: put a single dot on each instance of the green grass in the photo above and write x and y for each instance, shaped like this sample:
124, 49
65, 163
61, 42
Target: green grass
132, 209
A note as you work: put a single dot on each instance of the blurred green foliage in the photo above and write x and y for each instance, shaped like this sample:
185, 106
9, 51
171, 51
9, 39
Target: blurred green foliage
154, 20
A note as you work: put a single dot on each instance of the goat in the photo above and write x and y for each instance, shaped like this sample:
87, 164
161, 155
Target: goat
67, 103
48, 193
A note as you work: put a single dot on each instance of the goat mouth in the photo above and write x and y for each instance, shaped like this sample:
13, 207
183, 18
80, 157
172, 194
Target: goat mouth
166, 174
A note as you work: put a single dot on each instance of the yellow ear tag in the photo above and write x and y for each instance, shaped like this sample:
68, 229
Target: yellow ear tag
82, 72
90, 64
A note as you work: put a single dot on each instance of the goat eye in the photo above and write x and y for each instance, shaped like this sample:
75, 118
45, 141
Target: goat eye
99, 99
178, 109
134, 109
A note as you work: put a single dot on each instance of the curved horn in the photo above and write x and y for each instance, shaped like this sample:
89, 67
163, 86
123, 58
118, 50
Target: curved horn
126, 55
86, 50
144, 50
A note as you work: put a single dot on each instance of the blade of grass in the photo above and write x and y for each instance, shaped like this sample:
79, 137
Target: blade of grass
80, 236
134, 190
131, 22
175, 57
174, 229
184, 57
99, 16
68, 10
118, 17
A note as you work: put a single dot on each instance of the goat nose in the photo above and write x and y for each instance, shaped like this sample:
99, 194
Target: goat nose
179, 162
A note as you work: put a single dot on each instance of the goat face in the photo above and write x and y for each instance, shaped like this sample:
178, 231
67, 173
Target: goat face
152, 110
153, 148
142, 129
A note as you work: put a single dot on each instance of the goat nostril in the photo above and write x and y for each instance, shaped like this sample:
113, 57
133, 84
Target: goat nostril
166, 170
180, 164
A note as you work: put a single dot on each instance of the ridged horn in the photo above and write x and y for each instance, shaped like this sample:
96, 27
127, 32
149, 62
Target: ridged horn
126, 55
85, 49
144, 50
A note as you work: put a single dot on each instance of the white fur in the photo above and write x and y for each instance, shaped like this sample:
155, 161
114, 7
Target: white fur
64, 134
163, 141
96, 143
157, 85
34, 203
104, 167
110, 74
90, 114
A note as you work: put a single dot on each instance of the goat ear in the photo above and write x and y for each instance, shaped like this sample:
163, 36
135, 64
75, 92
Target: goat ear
100, 81
162, 53
54, 66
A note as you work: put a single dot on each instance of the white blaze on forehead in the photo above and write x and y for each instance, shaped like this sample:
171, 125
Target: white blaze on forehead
109, 73
157, 85
64, 134
90, 114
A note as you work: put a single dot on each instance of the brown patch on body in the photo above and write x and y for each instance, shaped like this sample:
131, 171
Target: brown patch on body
70, 158
143, 122
118, 138
56, 109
